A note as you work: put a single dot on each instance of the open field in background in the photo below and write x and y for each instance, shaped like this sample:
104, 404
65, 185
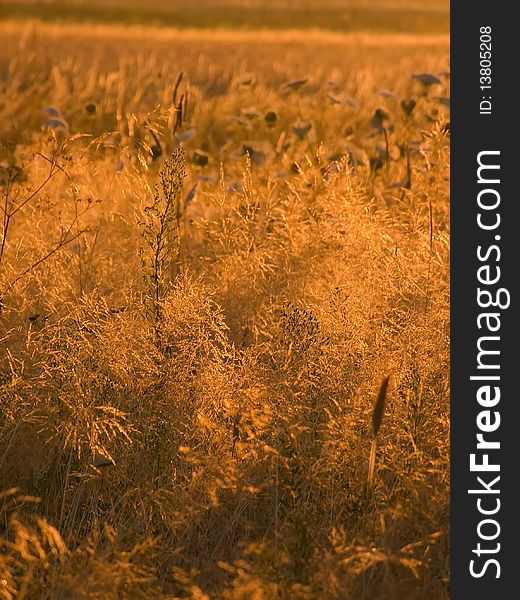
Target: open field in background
404, 15
190, 349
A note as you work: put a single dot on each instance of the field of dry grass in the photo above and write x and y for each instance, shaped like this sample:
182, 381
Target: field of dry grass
339, 15
204, 279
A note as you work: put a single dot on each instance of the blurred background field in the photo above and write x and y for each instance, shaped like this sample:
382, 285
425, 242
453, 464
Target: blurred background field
337, 15
223, 225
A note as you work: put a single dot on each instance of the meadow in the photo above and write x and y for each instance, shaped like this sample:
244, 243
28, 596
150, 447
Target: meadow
410, 16
216, 244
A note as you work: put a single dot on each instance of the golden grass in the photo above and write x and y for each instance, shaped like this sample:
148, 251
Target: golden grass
187, 362
222, 34
383, 16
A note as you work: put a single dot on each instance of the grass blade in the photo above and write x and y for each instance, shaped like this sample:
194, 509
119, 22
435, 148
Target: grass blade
377, 418
379, 406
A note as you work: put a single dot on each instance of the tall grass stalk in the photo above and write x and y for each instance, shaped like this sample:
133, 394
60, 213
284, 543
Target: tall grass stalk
377, 419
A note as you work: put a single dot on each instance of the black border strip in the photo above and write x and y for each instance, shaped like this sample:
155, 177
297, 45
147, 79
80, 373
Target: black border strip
472, 133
